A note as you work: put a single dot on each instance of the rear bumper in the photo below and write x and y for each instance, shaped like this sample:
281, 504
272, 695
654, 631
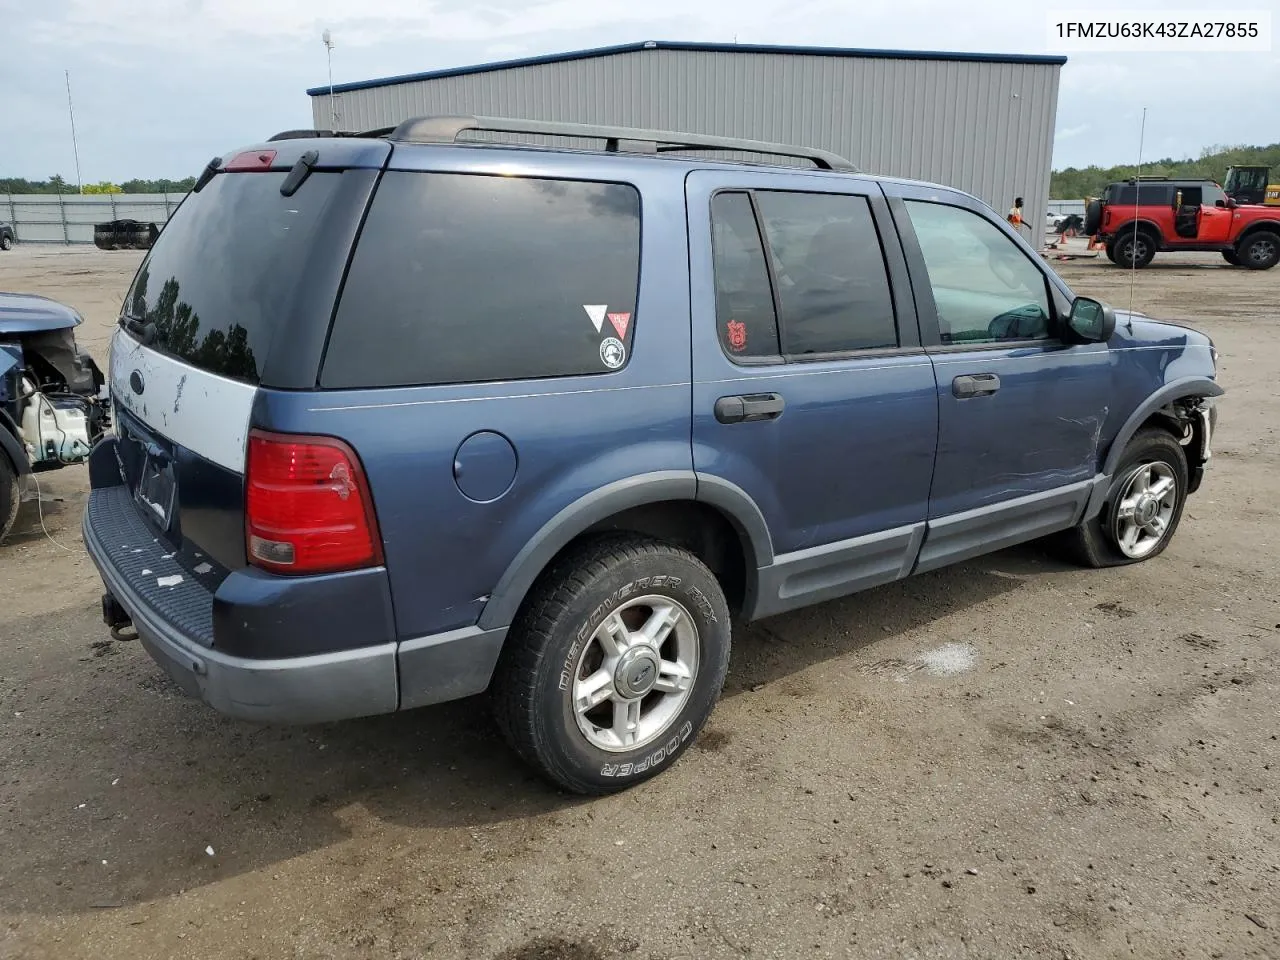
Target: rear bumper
178, 627
309, 689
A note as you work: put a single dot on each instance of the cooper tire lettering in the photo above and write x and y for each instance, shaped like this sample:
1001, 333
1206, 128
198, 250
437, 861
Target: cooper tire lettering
669, 749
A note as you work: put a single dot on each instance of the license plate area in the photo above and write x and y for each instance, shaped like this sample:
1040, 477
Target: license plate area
156, 488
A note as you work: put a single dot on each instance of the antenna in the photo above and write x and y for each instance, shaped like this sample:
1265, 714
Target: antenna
327, 37
75, 149
1137, 200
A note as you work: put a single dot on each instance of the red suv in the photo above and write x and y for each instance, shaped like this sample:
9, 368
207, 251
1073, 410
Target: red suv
1135, 219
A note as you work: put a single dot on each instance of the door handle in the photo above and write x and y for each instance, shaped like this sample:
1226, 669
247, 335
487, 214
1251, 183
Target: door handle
975, 385
749, 407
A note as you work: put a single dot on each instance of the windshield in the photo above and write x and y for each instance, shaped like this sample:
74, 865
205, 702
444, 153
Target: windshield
224, 268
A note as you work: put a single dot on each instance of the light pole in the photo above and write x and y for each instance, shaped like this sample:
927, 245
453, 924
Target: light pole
75, 149
327, 37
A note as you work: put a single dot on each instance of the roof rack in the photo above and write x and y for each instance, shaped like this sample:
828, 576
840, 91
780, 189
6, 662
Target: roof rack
445, 129
307, 134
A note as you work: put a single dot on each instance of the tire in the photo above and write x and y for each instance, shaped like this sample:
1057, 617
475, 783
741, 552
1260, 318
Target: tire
562, 638
1111, 252
6, 243
1259, 250
1134, 250
9, 495
1093, 217
1152, 455
1231, 257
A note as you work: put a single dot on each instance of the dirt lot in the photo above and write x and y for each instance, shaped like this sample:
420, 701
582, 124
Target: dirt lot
1099, 779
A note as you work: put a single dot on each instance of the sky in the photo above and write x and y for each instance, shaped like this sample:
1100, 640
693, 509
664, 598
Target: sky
161, 87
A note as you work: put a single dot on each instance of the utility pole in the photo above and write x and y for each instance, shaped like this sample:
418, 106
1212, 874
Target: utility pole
333, 107
75, 149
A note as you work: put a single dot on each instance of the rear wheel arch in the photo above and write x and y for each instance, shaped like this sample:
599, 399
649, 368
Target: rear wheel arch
665, 506
1149, 227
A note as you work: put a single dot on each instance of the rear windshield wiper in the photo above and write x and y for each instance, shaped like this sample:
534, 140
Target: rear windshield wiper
144, 330
207, 174
298, 173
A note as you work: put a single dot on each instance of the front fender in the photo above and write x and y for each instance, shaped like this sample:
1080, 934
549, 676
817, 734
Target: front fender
1177, 390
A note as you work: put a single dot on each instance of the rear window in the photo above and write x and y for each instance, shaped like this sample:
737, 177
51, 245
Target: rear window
224, 268
459, 278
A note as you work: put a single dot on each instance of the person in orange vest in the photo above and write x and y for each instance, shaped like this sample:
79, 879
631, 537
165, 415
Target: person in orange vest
1015, 214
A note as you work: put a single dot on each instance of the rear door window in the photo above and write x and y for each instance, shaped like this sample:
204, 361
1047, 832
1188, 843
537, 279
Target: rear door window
460, 278
833, 286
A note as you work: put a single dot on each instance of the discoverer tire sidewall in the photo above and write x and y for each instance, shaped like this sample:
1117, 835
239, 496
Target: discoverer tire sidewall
543, 726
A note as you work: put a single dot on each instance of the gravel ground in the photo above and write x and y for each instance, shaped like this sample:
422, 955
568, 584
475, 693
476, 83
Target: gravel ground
1010, 758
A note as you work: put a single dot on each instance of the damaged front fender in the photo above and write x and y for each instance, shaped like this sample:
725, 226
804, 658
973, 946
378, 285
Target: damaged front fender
1177, 404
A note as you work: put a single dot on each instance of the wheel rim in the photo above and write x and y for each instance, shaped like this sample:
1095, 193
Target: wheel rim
1262, 251
636, 673
1134, 250
1145, 509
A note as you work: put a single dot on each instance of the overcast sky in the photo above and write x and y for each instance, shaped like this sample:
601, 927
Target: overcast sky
160, 86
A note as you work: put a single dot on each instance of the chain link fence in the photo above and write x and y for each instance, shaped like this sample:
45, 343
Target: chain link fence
69, 218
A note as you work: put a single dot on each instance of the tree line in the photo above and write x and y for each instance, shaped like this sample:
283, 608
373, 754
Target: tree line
1076, 183
1073, 183
58, 184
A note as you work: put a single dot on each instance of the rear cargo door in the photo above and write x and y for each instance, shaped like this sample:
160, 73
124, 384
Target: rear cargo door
240, 274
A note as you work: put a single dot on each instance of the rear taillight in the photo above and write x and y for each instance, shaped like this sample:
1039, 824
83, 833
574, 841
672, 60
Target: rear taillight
307, 506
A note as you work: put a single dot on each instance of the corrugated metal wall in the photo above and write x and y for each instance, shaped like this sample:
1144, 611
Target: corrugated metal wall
984, 127
69, 218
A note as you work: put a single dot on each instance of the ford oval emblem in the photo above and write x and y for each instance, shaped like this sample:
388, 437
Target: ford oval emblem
136, 383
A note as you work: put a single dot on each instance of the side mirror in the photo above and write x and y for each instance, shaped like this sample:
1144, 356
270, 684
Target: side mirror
1091, 320
1231, 203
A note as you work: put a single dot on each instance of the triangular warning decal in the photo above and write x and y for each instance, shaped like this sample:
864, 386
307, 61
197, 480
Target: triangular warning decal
620, 321
596, 312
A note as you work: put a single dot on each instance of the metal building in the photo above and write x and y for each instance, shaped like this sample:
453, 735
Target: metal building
980, 122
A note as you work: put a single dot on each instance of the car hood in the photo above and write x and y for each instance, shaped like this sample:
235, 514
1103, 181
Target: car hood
28, 313
1139, 330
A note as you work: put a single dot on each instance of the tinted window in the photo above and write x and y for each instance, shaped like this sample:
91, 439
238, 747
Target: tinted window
833, 289
460, 278
223, 270
744, 303
985, 288
1128, 194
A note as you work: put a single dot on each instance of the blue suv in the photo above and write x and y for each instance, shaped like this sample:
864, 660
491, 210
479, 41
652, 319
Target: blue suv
411, 415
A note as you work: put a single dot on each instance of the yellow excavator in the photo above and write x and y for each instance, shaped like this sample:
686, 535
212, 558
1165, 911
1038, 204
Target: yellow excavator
1252, 185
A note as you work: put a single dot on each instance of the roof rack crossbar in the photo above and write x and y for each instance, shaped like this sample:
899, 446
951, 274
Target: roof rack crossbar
446, 129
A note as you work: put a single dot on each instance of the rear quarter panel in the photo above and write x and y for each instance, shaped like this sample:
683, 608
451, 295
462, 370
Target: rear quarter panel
444, 552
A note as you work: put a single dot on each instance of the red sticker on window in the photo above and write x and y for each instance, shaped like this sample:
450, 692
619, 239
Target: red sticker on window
620, 321
737, 332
